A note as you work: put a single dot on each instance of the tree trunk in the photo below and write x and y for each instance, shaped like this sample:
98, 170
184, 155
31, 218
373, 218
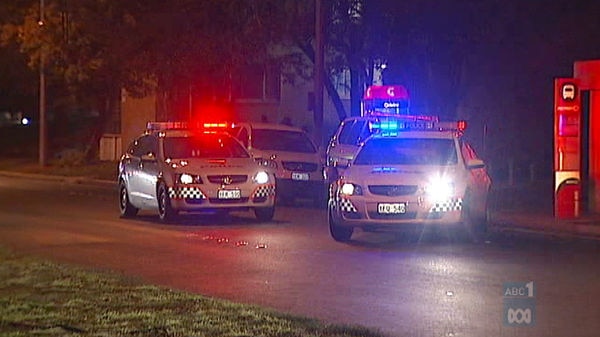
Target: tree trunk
111, 101
308, 50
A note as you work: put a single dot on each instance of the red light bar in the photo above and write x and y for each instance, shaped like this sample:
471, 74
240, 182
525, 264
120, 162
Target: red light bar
217, 161
215, 125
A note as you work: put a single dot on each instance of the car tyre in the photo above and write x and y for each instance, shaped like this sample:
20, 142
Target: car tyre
166, 213
338, 233
264, 213
125, 206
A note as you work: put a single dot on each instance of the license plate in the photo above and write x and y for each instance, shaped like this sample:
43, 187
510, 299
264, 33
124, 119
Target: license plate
229, 194
391, 208
299, 176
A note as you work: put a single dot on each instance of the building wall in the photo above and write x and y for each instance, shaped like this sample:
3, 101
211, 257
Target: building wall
294, 104
135, 114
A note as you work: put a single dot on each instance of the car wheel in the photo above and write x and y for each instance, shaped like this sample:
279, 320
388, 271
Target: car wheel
264, 213
166, 212
126, 208
338, 233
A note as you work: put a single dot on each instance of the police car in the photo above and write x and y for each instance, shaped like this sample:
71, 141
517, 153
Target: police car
298, 163
172, 168
419, 172
352, 131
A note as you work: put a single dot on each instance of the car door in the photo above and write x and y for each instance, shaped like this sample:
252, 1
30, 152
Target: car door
347, 141
129, 172
479, 180
148, 171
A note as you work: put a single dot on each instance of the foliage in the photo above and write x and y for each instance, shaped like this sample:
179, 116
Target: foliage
97, 47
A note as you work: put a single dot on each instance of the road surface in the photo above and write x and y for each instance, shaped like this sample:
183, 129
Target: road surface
439, 285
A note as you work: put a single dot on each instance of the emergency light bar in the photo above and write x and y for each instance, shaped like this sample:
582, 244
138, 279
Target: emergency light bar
162, 126
391, 126
159, 126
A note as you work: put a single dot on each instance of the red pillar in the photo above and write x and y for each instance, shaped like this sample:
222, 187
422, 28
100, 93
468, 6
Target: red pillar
588, 74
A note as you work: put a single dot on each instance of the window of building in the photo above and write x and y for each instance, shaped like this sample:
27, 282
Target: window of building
258, 83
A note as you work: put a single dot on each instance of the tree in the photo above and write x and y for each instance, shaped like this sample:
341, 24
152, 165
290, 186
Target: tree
98, 47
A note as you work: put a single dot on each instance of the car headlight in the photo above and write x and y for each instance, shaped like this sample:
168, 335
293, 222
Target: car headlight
186, 178
261, 177
439, 188
351, 189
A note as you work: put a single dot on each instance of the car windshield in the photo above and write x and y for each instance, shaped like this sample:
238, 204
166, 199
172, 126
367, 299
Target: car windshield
203, 146
282, 140
407, 151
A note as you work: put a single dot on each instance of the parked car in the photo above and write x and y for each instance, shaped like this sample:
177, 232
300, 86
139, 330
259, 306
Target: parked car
171, 169
299, 165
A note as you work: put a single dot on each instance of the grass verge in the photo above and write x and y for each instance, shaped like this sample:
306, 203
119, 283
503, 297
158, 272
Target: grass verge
40, 298
104, 170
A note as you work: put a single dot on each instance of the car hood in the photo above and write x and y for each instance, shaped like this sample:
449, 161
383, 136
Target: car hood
215, 165
400, 175
287, 156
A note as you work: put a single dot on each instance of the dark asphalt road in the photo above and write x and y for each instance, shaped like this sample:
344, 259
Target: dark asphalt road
437, 286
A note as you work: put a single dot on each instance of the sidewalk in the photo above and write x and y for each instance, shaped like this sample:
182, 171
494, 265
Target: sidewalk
529, 208
65, 179
586, 226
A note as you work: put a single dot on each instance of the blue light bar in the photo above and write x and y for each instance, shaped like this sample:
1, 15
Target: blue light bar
391, 126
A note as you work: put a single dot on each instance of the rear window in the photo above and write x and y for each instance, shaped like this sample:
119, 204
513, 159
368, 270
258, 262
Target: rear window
282, 140
407, 151
203, 146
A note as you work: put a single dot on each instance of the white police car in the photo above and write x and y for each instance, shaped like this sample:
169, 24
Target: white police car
410, 173
352, 131
173, 169
298, 163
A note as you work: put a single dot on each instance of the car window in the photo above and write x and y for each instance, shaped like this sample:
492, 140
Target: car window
353, 132
205, 146
234, 131
282, 140
243, 136
143, 146
363, 131
407, 151
345, 132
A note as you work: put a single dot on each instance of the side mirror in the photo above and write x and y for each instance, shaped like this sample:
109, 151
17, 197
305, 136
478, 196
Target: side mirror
475, 164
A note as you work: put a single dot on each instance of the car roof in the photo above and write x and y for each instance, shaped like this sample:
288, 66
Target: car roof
271, 126
187, 133
445, 134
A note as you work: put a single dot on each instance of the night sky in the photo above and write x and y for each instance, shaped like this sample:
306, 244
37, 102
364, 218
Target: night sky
493, 63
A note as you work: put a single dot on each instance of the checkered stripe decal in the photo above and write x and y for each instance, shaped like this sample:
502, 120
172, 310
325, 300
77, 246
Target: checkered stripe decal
346, 206
185, 193
264, 191
454, 204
